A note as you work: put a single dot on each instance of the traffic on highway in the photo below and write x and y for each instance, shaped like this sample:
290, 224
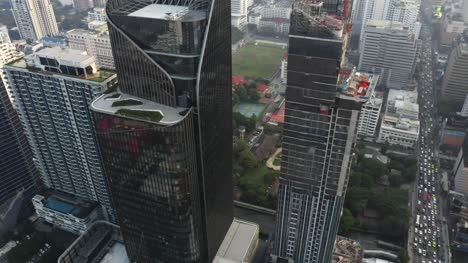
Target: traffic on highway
429, 244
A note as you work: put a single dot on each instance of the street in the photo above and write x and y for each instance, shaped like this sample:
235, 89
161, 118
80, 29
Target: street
428, 236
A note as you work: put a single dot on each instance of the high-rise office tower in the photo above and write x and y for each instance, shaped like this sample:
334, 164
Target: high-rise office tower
52, 91
17, 170
455, 83
35, 18
165, 137
403, 11
322, 108
390, 50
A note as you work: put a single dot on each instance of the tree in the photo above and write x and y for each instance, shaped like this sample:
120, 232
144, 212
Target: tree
238, 146
270, 177
235, 99
403, 256
236, 35
367, 181
357, 199
253, 94
244, 121
395, 180
394, 226
241, 91
248, 160
409, 173
347, 222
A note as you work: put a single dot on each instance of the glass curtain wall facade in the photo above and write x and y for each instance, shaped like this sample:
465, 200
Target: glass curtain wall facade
168, 156
318, 135
17, 170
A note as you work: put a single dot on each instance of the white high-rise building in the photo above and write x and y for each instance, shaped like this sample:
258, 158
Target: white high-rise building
239, 7
35, 18
95, 43
370, 110
7, 49
406, 12
372, 10
403, 11
52, 90
97, 14
239, 13
389, 50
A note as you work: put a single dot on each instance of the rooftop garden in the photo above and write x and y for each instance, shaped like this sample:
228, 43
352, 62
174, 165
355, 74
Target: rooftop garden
127, 102
113, 96
102, 75
153, 116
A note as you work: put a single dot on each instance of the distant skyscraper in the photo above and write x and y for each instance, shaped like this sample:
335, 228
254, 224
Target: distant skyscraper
455, 83
166, 135
403, 11
53, 89
35, 18
390, 50
7, 49
17, 171
321, 118
95, 42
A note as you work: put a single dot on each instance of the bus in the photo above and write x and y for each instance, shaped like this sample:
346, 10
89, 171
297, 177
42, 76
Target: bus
417, 220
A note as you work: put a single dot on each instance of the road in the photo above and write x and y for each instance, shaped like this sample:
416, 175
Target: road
428, 237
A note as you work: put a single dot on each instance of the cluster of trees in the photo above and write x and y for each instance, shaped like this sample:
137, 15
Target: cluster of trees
236, 34
246, 93
240, 120
252, 177
390, 203
241, 152
408, 168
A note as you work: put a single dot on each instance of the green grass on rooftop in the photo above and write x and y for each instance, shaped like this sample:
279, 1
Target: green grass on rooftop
113, 96
128, 102
102, 75
152, 116
257, 61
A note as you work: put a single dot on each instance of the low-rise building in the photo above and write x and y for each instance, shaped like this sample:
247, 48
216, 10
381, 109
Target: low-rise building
274, 25
346, 251
67, 212
95, 42
102, 242
400, 123
239, 244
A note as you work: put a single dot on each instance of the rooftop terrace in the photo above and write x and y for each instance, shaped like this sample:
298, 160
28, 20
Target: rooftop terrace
68, 204
358, 86
132, 107
64, 56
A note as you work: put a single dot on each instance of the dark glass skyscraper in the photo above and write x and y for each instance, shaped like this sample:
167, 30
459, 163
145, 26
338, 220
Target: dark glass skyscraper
165, 136
17, 170
322, 109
